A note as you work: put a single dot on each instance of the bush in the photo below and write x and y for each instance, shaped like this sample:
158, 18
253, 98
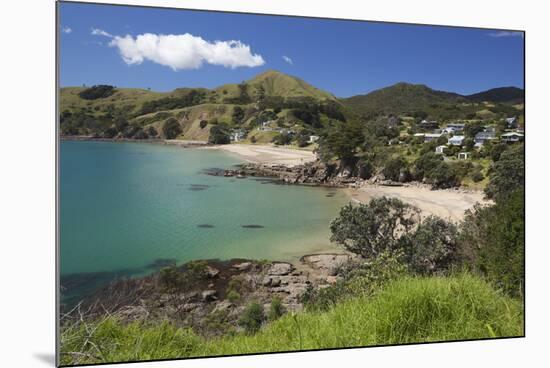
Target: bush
282, 139
433, 246
203, 123
394, 168
233, 296
171, 128
493, 241
276, 309
373, 228
218, 135
170, 277
507, 174
96, 92
477, 176
252, 319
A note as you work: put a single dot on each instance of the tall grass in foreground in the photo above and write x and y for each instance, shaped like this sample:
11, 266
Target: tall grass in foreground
404, 311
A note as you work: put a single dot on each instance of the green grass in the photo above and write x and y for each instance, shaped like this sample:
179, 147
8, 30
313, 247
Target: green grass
408, 310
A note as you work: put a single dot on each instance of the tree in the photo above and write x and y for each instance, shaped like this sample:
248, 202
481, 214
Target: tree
492, 240
218, 135
394, 168
95, 92
507, 174
472, 128
370, 229
469, 144
171, 128
341, 140
238, 115
282, 139
203, 123
433, 246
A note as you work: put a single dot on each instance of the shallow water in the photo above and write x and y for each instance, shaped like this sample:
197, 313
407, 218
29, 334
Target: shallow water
124, 206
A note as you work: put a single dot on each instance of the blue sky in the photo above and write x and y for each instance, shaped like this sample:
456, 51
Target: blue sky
343, 57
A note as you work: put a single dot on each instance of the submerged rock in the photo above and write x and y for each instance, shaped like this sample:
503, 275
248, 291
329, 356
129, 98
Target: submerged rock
253, 226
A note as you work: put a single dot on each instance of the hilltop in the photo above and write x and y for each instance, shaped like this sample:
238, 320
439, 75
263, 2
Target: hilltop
271, 106
408, 99
286, 101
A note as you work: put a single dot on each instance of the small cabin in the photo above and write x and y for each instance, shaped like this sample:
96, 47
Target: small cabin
463, 155
440, 149
456, 140
512, 137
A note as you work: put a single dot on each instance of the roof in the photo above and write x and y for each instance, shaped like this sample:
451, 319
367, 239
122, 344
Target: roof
485, 135
457, 138
432, 135
512, 134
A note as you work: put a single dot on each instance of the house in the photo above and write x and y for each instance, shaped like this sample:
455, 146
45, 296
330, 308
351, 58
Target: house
512, 137
237, 135
448, 130
428, 137
463, 155
456, 140
425, 124
483, 137
440, 149
512, 123
313, 138
456, 126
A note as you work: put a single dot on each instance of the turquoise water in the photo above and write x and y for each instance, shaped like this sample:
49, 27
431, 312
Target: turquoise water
125, 205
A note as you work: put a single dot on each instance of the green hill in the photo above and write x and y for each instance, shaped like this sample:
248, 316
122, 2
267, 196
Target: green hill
412, 99
509, 95
403, 98
105, 111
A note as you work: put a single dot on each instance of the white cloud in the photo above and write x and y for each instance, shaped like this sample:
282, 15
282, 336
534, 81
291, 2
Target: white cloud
288, 60
506, 34
183, 51
100, 32
66, 30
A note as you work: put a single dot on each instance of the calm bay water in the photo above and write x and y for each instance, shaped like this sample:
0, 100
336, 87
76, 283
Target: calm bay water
125, 205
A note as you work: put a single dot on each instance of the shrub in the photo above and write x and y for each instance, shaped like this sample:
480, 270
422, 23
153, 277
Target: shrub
170, 277
196, 269
203, 123
507, 174
477, 176
282, 139
171, 128
394, 168
218, 135
433, 246
373, 228
276, 309
252, 319
96, 92
233, 296
493, 240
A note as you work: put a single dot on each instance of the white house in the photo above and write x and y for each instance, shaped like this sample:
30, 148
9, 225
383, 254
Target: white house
512, 123
463, 155
448, 130
428, 137
456, 126
456, 140
440, 149
483, 137
313, 138
512, 137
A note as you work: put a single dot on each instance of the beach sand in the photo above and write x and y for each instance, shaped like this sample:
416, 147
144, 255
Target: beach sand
264, 154
448, 204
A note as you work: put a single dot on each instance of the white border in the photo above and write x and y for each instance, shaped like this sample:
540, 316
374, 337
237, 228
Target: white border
27, 184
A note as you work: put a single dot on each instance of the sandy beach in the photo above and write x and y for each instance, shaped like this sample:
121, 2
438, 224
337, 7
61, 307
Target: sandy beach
448, 204
264, 154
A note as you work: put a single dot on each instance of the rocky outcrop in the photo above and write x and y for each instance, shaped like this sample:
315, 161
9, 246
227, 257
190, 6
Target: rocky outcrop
312, 173
206, 302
